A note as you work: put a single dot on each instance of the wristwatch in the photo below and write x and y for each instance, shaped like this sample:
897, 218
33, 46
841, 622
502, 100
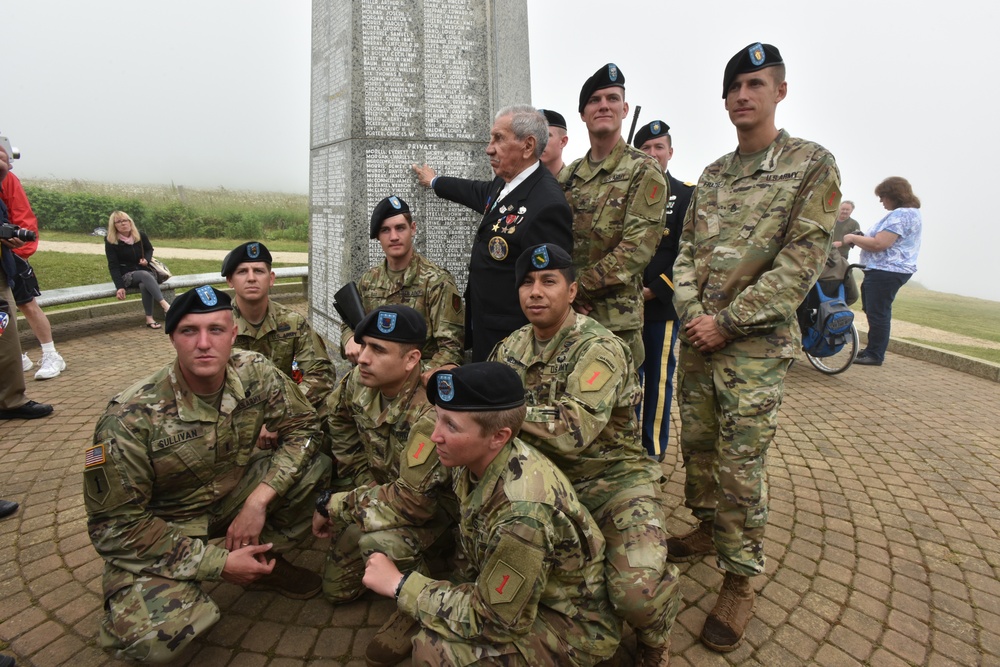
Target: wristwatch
322, 501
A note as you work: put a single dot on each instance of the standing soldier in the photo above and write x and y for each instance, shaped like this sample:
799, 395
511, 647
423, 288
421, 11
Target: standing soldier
274, 330
582, 391
618, 197
659, 333
755, 239
534, 593
398, 498
174, 464
552, 156
408, 278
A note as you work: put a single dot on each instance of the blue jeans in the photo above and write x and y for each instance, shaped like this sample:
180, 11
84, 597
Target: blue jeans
877, 294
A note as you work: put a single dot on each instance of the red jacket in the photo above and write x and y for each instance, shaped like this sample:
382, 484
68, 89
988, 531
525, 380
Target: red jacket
19, 211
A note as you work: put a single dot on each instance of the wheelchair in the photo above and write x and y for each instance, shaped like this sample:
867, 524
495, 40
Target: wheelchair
829, 338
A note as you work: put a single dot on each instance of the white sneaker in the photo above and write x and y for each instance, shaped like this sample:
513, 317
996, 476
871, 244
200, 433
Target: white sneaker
26, 363
50, 366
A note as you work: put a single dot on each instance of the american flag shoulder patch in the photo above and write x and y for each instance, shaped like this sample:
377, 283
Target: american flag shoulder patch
94, 456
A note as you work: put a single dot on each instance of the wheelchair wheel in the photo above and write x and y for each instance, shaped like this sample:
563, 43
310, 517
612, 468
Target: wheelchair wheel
840, 362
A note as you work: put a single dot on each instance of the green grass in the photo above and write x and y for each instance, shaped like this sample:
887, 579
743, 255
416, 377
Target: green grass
203, 244
964, 315
967, 350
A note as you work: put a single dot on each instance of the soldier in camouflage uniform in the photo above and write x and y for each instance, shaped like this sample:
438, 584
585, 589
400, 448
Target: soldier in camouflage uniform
755, 239
174, 464
535, 591
618, 196
582, 391
408, 278
274, 330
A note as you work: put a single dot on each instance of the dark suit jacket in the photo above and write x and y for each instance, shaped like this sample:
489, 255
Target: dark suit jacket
661, 309
534, 212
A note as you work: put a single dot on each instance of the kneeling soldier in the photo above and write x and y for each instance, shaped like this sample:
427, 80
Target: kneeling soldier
175, 463
535, 592
398, 498
581, 391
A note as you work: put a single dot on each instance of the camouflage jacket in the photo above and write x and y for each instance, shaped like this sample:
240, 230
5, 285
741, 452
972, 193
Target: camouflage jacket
431, 291
162, 458
384, 451
531, 544
755, 240
619, 210
581, 392
284, 336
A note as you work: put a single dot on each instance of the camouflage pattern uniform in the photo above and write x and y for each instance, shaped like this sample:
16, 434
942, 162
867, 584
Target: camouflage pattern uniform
284, 336
167, 472
619, 209
536, 594
401, 502
581, 391
755, 239
431, 291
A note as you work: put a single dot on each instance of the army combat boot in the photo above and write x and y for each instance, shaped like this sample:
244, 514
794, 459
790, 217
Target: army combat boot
290, 580
393, 642
692, 545
724, 627
652, 656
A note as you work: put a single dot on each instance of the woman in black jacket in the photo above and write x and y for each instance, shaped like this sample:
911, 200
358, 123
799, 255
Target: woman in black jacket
129, 253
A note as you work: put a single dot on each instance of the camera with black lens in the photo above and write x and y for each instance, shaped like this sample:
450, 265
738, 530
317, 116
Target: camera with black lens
9, 231
11, 152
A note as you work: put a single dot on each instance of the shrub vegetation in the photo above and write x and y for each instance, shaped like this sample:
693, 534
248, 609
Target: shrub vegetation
170, 211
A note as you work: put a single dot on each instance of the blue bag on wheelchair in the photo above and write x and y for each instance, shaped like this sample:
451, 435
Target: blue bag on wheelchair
832, 327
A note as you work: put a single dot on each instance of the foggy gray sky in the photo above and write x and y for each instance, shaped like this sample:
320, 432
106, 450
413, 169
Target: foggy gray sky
216, 93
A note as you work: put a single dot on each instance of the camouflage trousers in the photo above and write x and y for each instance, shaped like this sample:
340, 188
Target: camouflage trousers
350, 548
152, 619
543, 644
642, 585
729, 414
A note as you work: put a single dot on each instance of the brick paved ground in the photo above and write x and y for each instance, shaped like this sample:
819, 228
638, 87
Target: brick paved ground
882, 546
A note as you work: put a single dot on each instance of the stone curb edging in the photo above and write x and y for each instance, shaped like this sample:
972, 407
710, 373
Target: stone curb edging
953, 360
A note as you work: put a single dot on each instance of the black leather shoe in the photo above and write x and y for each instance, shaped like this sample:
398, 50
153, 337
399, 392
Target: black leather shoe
866, 359
30, 410
6, 661
7, 507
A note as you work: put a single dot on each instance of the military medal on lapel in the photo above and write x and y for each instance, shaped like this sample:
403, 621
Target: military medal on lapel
498, 248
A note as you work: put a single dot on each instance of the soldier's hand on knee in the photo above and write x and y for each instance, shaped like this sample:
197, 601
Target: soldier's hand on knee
321, 525
381, 575
267, 439
247, 564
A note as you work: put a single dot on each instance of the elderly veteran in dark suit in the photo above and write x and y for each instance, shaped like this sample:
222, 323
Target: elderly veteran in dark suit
522, 207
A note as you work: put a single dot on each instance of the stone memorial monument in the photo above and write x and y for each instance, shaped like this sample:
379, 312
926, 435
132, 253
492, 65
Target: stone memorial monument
396, 82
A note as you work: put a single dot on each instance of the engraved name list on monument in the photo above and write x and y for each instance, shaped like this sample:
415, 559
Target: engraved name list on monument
395, 82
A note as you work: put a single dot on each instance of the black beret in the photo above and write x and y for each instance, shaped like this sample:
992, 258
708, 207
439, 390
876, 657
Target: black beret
204, 299
387, 208
750, 59
486, 386
606, 77
554, 118
400, 324
655, 129
251, 251
544, 256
